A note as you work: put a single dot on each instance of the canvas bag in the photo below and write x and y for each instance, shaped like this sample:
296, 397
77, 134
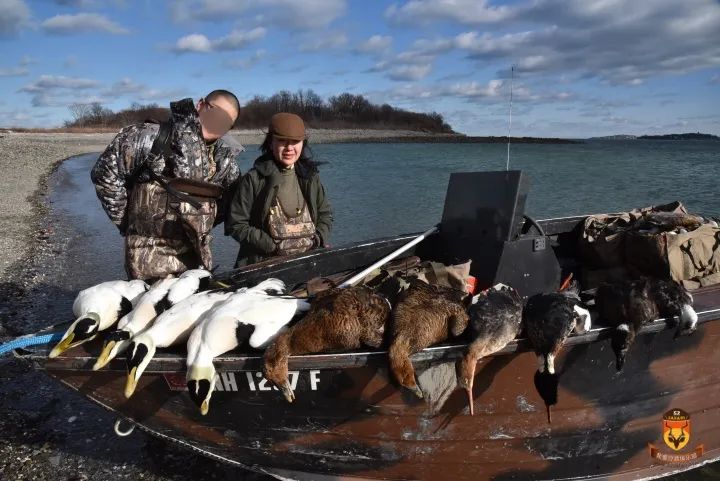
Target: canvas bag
619, 242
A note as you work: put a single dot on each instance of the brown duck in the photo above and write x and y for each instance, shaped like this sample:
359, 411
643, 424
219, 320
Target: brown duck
424, 315
339, 319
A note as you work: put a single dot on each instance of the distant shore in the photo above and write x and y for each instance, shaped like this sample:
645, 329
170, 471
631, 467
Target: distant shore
325, 136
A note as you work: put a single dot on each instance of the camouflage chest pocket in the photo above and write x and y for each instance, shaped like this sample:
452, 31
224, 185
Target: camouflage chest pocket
196, 222
151, 213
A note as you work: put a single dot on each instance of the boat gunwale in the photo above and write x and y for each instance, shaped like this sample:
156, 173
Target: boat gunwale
165, 362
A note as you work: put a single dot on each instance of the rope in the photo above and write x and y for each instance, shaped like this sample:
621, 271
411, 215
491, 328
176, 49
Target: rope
30, 340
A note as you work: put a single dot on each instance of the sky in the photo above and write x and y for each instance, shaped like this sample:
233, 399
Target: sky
580, 68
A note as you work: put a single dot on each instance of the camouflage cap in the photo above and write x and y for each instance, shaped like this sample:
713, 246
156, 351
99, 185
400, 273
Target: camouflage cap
287, 126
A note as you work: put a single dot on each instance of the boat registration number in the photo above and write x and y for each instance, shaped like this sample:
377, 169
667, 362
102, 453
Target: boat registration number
248, 381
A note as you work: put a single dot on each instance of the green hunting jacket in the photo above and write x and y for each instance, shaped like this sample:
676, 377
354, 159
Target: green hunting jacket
248, 211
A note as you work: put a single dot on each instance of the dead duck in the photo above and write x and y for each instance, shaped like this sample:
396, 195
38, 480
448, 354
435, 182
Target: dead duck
188, 283
98, 308
171, 327
495, 320
628, 305
549, 319
255, 315
424, 315
338, 319
150, 304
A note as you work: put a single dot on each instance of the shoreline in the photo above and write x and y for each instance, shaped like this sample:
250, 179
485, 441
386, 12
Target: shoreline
325, 136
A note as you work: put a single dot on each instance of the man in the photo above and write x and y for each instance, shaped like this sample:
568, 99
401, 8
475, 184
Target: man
165, 205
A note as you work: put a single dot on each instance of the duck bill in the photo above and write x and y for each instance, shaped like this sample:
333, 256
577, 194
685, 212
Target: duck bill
470, 400
62, 346
287, 392
417, 391
105, 356
205, 407
131, 383
469, 388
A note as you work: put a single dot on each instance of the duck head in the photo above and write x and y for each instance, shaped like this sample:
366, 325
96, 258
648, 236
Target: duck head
201, 384
622, 337
275, 366
139, 354
115, 343
82, 330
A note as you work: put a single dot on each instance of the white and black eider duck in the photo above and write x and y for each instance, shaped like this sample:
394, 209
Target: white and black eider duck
171, 327
495, 320
255, 315
98, 308
629, 305
188, 283
150, 305
164, 294
549, 319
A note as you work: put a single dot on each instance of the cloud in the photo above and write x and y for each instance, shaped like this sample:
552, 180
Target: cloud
55, 82
460, 11
235, 40
330, 41
596, 39
23, 118
238, 39
414, 64
195, 42
13, 72
19, 71
410, 72
58, 90
70, 61
81, 23
493, 92
246, 63
288, 14
715, 79
375, 44
128, 87
124, 86
14, 16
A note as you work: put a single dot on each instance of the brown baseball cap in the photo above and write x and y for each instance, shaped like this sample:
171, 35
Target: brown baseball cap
287, 126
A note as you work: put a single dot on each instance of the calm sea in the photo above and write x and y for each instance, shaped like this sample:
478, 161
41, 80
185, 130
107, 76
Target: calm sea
385, 189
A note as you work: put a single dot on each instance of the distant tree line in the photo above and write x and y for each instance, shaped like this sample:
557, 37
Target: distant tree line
344, 111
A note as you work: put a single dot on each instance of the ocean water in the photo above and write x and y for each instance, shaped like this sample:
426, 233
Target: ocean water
380, 190
385, 189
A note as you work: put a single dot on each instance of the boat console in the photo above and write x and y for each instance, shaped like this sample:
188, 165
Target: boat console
484, 220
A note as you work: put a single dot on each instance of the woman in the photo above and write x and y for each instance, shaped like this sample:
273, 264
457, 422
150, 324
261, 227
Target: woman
280, 207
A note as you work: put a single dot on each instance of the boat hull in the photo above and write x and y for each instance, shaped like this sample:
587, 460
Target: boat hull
353, 421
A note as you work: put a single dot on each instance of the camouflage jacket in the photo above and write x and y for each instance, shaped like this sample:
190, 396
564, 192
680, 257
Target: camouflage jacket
163, 236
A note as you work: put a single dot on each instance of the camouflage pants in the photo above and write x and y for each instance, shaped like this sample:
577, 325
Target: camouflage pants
166, 236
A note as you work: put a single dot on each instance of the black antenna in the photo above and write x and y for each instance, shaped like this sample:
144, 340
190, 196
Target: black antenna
512, 77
